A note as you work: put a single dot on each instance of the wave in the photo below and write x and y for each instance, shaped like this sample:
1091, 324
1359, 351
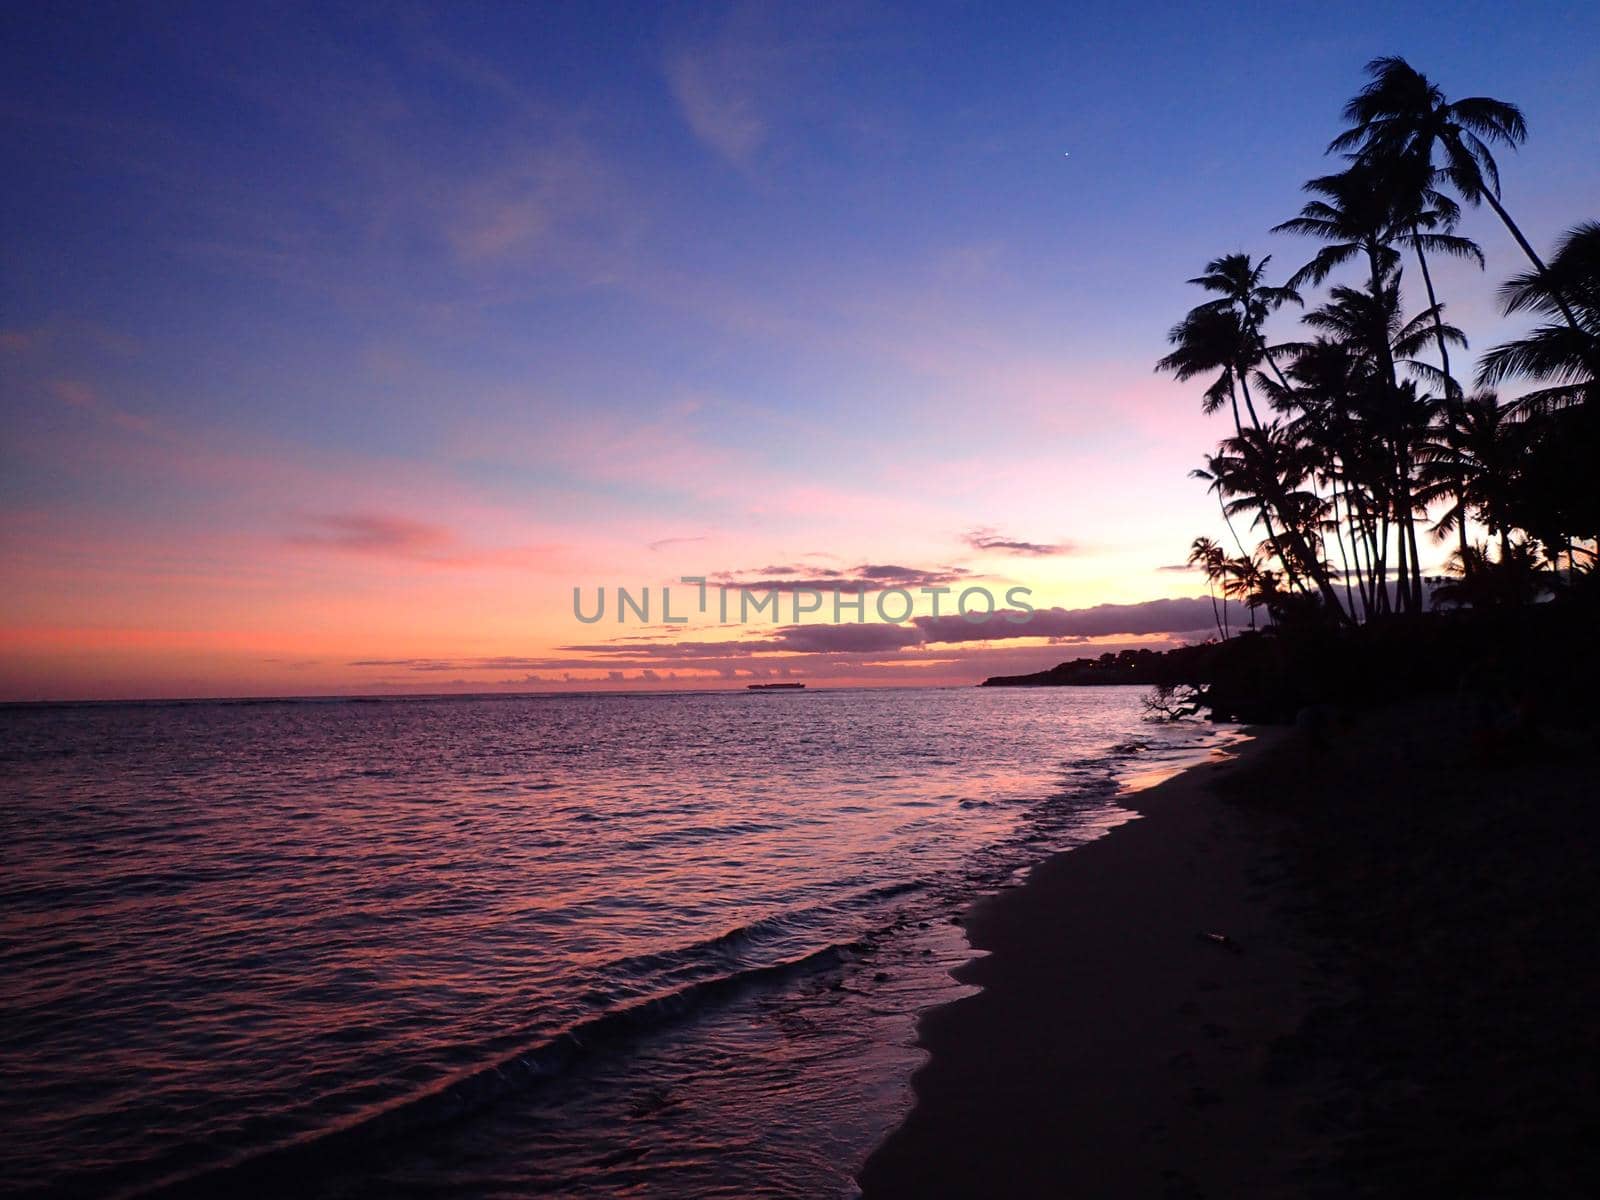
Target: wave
272, 1170
514, 1047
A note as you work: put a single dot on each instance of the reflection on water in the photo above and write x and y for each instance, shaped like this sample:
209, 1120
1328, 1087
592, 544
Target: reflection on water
513, 944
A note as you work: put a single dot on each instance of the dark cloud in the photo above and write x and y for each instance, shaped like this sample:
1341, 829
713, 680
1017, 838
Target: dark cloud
1103, 620
848, 639
948, 664
847, 648
984, 538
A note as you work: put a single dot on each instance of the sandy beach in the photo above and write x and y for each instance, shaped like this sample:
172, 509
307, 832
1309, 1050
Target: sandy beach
1115, 1046
1400, 1006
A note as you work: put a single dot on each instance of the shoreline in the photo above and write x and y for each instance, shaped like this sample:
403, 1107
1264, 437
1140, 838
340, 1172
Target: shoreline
1114, 1048
1404, 1006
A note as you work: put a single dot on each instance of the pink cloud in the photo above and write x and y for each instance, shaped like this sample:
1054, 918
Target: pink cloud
374, 533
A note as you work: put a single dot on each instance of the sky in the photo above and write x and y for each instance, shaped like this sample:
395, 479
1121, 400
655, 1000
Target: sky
340, 343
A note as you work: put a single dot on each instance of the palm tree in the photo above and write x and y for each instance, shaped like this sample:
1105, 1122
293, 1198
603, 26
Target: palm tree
1253, 584
1329, 379
1369, 434
1362, 212
1430, 217
1241, 290
1560, 355
1215, 473
1402, 116
1374, 337
1472, 462
1246, 580
1264, 471
1204, 341
1557, 500
1355, 214
1224, 334
1211, 558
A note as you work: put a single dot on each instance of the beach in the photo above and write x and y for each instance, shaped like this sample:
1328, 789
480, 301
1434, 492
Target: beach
1395, 1001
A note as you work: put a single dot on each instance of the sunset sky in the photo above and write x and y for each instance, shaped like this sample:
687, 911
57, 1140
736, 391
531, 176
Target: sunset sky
338, 344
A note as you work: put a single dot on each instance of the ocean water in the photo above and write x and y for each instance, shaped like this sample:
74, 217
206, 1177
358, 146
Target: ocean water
660, 945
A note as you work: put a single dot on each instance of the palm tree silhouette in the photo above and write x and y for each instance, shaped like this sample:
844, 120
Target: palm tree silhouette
1561, 355
1241, 290
1205, 341
1402, 117
1370, 326
1225, 333
1214, 473
1263, 472
1212, 560
1472, 463
1368, 433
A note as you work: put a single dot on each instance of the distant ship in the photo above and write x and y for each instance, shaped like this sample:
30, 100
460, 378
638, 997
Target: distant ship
776, 687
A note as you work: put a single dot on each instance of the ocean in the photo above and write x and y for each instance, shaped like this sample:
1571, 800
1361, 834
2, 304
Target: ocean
665, 945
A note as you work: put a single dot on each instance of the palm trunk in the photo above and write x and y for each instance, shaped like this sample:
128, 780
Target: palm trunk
1408, 524
1228, 521
1408, 587
1375, 286
1344, 553
1277, 547
1358, 544
1538, 265
1416, 564
1402, 583
1244, 386
1382, 592
1374, 553
1451, 388
1233, 398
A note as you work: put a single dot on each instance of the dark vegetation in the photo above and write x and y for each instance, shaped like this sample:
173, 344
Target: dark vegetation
1354, 441
1170, 667
1541, 660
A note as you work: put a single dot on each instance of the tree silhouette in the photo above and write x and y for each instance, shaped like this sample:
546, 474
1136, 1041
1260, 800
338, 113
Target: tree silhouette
1403, 117
1365, 437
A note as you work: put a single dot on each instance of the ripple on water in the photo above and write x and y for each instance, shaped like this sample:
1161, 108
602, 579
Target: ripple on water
674, 940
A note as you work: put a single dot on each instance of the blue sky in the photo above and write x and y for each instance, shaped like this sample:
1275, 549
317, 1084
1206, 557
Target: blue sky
574, 279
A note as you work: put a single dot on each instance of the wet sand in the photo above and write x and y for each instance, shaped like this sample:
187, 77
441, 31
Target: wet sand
1403, 1004
1115, 1047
